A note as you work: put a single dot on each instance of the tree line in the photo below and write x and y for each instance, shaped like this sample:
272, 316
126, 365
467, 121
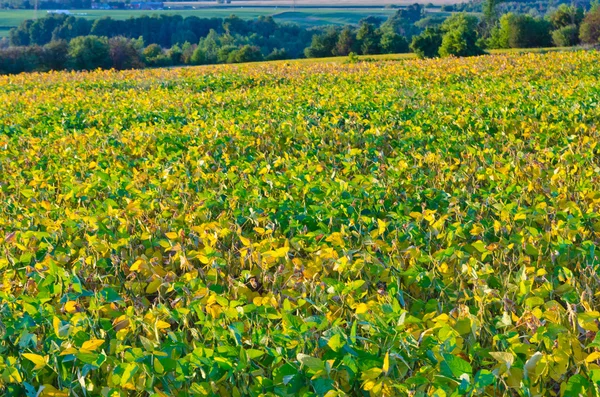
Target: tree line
164, 30
59, 42
466, 35
461, 34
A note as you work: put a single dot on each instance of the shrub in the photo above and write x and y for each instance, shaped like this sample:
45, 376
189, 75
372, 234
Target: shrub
175, 53
460, 37
521, 31
566, 36
89, 52
21, 59
56, 55
155, 56
589, 32
427, 44
278, 55
246, 53
393, 43
123, 54
198, 57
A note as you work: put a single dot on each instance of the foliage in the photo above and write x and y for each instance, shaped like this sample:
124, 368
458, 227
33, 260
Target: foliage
490, 12
566, 36
124, 54
460, 36
566, 15
56, 55
404, 22
278, 55
246, 53
427, 44
423, 228
590, 27
369, 38
154, 55
89, 52
323, 44
166, 30
521, 31
346, 42
393, 43
21, 59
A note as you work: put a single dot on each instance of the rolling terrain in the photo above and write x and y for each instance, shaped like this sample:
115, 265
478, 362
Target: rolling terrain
385, 228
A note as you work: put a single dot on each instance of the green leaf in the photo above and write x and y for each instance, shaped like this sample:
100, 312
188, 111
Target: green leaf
336, 343
479, 246
454, 366
312, 363
577, 385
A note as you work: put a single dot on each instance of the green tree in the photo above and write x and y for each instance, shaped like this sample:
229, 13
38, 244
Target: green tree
224, 52
566, 36
403, 22
154, 55
346, 43
123, 54
105, 26
369, 38
565, 16
187, 52
246, 53
460, 36
521, 31
323, 44
490, 13
393, 43
210, 47
56, 55
88, 53
278, 54
175, 53
427, 44
590, 27
198, 57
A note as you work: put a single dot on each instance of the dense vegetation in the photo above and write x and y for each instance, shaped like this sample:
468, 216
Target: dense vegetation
67, 42
423, 228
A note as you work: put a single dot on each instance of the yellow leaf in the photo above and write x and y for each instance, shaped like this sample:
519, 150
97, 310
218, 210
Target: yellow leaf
71, 307
171, 235
592, 357
416, 215
361, 308
162, 324
51, 391
520, 216
92, 344
39, 361
386, 363
70, 350
153, 286
245, 241
278, 253
381, 226
136, 265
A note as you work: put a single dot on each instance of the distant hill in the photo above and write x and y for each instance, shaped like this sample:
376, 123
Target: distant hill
323, 3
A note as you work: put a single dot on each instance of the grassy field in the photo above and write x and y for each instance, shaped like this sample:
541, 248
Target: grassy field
417, 228
306, 16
